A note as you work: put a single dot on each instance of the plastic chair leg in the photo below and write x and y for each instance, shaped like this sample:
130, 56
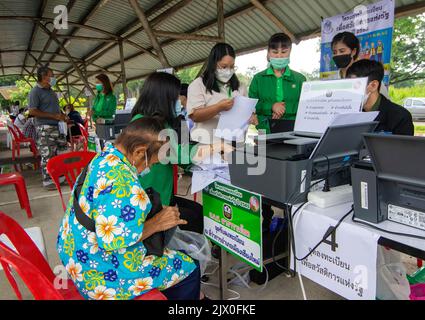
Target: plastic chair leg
18, 192
25, 199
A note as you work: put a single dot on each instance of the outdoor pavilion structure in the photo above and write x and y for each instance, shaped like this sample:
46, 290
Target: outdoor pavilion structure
129, 39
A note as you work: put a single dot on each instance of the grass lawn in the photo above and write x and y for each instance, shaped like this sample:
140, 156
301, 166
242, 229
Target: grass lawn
420, 129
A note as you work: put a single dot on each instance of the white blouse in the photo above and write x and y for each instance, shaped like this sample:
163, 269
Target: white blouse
198, 97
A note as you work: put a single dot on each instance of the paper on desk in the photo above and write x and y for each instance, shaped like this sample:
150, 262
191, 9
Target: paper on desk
202, 179
233, 123
354, 118
210, 170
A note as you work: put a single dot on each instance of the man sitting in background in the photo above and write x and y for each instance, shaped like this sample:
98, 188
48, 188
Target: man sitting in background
392, 118
74, 118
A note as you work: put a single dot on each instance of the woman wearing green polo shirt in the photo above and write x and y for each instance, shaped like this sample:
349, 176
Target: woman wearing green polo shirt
160, 98
278, 88
105, 103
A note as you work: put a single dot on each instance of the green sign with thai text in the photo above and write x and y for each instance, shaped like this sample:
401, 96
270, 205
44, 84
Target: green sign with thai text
232, 220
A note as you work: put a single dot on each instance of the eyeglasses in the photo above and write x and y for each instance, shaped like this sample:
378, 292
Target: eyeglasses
219, 67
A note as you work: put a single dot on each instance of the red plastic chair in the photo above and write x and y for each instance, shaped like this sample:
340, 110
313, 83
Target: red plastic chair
68, 165
33, 268
19, 182
17, 139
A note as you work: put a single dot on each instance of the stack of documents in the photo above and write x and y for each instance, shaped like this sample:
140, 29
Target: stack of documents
209, 171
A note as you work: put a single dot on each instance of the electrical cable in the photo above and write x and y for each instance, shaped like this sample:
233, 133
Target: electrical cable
327, 234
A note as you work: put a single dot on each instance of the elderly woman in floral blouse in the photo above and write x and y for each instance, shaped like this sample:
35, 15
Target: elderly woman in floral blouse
111, 263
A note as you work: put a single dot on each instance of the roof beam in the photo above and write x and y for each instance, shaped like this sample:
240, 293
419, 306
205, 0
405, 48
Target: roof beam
51, 20
229, 16
1, 64
157, 7
83, 21
220, 19
186, 36
34, 31
154, 22
152, 38
69, 7
53, 36
275, 20
73, 37
34, 51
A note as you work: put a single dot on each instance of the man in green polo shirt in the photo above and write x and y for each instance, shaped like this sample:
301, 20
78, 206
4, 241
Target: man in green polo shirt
278, 88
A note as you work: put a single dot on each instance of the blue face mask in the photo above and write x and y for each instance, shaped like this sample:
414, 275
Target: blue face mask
53, 81
147, 170
178, 108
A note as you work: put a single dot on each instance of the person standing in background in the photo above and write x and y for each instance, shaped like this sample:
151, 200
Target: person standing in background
346, 50
105, 102
44, 106
278, 88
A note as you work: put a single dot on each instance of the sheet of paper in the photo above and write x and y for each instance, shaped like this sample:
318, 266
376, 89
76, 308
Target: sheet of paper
201, 179
321, 101
354, 118
233, 124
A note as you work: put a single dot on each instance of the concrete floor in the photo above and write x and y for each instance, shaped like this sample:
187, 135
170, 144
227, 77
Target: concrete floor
47, 211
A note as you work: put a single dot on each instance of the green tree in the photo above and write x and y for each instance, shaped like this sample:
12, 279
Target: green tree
4, 82
187, 75
408, 61
23, 89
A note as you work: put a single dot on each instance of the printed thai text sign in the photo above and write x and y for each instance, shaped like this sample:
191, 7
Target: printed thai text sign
232, 220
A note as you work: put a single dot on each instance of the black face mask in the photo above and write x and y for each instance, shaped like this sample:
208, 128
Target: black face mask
342, 61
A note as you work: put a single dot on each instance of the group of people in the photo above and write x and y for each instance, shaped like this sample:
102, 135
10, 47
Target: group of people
112, 262
22, 121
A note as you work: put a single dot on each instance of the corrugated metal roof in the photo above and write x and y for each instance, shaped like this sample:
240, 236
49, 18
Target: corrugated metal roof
246, 29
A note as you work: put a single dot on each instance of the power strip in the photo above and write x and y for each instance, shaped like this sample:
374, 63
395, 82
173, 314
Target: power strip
337, 195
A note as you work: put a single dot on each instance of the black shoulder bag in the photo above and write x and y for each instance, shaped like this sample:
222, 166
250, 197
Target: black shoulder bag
154, 245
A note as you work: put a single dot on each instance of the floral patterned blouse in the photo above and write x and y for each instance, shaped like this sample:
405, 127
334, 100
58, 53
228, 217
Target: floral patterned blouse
111, 263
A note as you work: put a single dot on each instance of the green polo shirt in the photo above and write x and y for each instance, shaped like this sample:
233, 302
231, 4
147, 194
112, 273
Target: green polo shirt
270, 89
160, 177
377, 104
104, 106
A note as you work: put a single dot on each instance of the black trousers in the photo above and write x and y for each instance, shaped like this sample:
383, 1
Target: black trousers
190, 211
188, 289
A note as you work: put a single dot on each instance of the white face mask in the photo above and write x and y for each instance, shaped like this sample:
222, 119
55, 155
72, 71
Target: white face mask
224, 75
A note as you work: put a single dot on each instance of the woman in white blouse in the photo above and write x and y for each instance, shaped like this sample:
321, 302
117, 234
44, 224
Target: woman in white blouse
213, 93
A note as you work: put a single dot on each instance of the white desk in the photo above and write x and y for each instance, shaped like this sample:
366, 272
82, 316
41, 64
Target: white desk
357, 247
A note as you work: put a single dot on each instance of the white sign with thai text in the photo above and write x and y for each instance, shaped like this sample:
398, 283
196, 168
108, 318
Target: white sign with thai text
346, 262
